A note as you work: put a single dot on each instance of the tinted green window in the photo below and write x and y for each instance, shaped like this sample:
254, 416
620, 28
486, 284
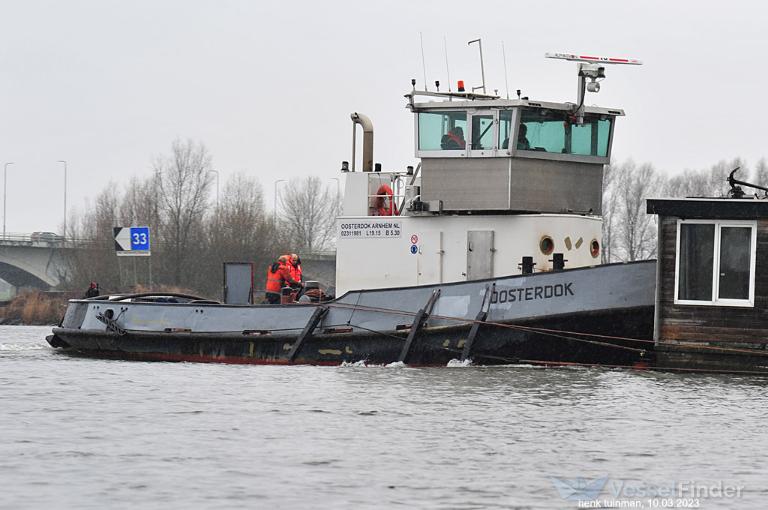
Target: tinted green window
482, 131
542, 130
555, 131
442, 130
505, 128
591, 138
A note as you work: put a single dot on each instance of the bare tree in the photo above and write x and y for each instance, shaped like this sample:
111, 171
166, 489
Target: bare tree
309, 212
761, 173
636, 228
183, 180
240, 231
610, 203
140, 203
95, 260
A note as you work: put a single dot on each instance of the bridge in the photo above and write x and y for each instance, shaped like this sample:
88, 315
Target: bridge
33, 260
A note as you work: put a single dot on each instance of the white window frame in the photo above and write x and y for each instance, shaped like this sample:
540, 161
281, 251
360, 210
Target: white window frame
440, 153
488, 152
715, 301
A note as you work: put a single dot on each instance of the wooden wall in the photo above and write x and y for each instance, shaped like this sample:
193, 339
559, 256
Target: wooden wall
712, 323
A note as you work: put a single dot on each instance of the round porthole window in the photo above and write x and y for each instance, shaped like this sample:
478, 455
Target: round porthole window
546, 245
594, 248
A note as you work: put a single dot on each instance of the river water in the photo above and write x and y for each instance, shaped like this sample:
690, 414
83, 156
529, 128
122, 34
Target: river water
83, 433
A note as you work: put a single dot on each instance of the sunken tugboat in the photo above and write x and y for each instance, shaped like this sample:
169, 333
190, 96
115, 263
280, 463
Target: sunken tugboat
488, 250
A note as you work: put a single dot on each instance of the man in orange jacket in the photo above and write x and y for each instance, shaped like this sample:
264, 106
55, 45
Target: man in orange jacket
289, 272
275, 282
295, 263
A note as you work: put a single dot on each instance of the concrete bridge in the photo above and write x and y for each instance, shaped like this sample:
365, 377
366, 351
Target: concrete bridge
33, 260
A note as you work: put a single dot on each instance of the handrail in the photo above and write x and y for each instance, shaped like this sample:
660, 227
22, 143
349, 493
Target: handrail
123, 297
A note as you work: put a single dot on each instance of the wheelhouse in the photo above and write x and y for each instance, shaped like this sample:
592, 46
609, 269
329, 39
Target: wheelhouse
490, 154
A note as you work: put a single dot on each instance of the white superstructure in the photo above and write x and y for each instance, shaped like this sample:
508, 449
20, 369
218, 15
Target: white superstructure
503, 187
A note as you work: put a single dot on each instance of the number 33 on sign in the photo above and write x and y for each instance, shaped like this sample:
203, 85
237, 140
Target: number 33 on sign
132, 240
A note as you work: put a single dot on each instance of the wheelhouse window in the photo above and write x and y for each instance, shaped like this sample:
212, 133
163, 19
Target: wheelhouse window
443, 130
556, 131
715, 263
482, 131
505, 128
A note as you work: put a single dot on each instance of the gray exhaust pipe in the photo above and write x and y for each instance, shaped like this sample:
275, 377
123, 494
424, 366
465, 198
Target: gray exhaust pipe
367, 125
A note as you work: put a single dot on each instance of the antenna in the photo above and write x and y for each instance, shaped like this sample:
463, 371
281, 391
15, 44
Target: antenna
423, 62
447, 69
504, 56
592, 68
482, 66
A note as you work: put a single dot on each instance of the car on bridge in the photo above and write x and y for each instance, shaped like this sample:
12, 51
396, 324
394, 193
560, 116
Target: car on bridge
50, 237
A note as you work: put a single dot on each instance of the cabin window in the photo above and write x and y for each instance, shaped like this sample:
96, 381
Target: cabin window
505, 128
555, 131
482, 131
715, 263
442, 130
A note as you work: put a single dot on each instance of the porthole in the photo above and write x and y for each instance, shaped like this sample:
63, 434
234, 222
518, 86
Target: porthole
594, 248
546, 245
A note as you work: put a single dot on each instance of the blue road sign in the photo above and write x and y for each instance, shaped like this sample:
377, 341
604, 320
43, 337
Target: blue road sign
139, 238
414, 249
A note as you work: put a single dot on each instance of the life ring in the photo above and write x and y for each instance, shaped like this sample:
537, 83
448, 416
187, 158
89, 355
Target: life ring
383, 195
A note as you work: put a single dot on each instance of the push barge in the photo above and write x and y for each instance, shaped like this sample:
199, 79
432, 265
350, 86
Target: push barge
712, 299
488, 250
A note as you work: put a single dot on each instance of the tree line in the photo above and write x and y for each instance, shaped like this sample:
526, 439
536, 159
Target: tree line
629, 233
193, 230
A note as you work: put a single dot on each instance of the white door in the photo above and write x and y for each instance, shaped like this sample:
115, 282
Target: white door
430, 258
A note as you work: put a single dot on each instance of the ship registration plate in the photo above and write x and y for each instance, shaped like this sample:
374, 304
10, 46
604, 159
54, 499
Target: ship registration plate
366, 229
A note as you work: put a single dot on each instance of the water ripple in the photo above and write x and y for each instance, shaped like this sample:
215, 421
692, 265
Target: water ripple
84, 433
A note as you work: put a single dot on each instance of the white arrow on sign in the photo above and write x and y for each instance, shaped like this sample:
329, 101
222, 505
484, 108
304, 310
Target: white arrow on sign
123, 239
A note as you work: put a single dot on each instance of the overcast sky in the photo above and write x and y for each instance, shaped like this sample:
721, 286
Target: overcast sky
269, 86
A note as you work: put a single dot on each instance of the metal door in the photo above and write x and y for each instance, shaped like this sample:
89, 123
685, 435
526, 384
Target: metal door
430, 258
238, 283
479, 254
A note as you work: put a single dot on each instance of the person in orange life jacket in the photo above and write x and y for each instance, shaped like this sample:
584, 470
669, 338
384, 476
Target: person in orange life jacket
295, 263
288, 272
453, 140
384, 205
274, 283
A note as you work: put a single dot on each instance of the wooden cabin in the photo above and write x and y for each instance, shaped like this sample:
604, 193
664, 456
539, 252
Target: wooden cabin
712, 283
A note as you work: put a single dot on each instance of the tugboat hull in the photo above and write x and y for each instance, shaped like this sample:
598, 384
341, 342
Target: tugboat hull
596, 316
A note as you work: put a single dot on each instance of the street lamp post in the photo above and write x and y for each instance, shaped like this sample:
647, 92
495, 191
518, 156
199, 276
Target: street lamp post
65, 197
274, 221
5, 185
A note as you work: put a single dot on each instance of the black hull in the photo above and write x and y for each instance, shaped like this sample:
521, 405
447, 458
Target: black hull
581, 338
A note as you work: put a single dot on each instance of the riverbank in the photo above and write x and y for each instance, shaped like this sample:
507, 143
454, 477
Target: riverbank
36, 308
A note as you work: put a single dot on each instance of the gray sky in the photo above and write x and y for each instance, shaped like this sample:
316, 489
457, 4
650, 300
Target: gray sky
268, 86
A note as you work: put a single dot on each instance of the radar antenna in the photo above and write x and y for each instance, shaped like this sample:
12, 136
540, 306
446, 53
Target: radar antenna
592, 68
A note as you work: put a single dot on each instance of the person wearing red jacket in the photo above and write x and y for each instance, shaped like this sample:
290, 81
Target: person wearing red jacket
289, 273
295, 263
275, 282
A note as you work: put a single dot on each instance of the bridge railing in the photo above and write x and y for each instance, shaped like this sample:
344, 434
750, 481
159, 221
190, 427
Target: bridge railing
41, 239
